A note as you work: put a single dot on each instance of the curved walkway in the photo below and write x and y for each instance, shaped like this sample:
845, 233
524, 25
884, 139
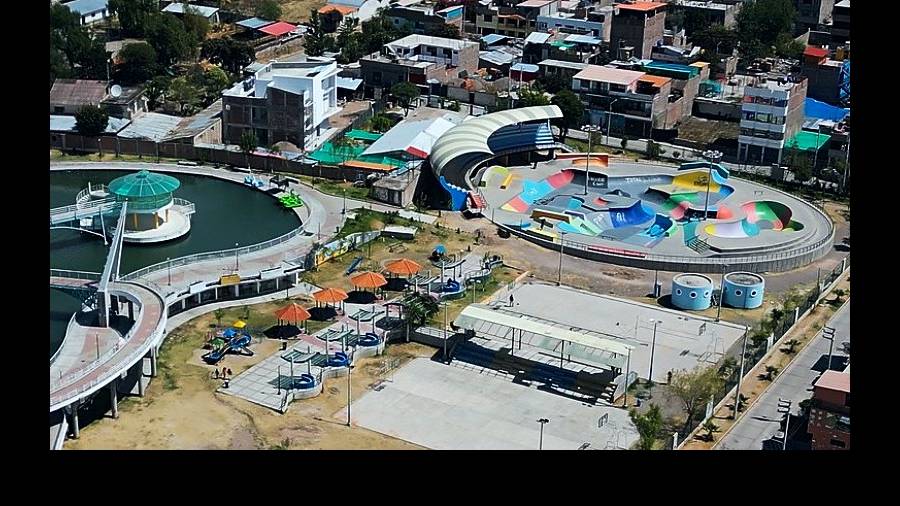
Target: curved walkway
74, 383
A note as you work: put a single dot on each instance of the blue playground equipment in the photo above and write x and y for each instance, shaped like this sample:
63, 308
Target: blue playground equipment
451, 289
304, 382
237, 343
339, 359
353, 266
253, 181
369, 339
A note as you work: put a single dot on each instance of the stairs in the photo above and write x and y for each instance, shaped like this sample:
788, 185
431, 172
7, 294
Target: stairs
697, 244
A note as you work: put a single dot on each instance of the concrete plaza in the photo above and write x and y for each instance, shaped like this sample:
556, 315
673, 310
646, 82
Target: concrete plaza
449, 408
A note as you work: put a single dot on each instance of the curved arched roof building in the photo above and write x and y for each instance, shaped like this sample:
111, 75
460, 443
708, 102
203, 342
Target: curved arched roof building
474, 141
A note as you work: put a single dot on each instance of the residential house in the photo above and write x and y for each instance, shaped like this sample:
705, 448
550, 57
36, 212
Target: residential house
564, 46
125, 101
515, 21
825, 75
67, 96
583, 22
423, 19
417, 59
772, 113
623, 101
335, 11
89, 11
210, 13
812, 14
840, 22
283, 101
829, 414
710, 13
636, 28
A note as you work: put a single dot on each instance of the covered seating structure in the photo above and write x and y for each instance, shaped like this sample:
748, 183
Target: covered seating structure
585, 347
294, 313
367, 280
330, 297
402, 267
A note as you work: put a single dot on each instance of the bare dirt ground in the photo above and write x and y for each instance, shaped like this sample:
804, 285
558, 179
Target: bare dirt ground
182, 411
296, 11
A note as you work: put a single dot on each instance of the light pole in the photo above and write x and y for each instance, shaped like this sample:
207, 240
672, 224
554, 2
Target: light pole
655, 323
846, 164
828, 333
562, 238
784, 406
816, 153
237, 258
609, 120
590, 130
344, 194
542, 421
349, 368
737, 393
713, 157
169, 268
445, 332
721, 292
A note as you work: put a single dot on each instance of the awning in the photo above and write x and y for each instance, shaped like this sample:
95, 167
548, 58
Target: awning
278, 29
348, 83
254, 23
476, 313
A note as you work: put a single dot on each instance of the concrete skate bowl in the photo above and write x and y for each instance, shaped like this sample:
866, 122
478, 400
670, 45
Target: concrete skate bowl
663, 220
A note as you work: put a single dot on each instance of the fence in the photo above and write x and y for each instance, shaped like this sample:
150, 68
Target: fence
756, 353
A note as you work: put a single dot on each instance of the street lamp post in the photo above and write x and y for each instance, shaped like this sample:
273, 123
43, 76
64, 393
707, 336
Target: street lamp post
562, 238
349, 368
653, 348
609, 120
445, 331
542, 421
721, 292
169, 268
713, 157
784, 406
590, 130
737, 393
237, 257
344, 194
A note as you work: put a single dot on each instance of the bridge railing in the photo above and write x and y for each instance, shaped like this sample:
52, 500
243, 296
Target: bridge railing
186, 206
85, 194
199, 257
65, 273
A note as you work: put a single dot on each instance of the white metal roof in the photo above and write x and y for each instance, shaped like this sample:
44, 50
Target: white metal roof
471, 136
537, 38
475, 313
179, 8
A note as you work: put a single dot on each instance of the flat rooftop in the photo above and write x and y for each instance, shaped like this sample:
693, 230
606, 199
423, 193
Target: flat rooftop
834, 380
418, 40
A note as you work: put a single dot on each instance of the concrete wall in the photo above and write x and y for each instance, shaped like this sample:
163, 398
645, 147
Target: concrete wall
717, 109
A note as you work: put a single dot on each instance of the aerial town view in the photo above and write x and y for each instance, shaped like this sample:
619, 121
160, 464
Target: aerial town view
450, 225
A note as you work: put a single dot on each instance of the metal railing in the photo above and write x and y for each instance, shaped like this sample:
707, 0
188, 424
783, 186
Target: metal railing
186, 207
199, 257
65, 273
84, 210
85, 194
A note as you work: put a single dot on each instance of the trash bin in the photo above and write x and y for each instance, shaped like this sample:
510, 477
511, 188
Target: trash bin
284, 345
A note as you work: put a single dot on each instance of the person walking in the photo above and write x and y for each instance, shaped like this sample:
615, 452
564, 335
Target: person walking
511, 300
217, 373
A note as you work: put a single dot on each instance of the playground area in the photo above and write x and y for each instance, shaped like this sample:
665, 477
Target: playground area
448, 408
648, 211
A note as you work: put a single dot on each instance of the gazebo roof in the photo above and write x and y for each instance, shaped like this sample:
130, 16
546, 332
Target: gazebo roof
368, 280
143, 184
403, 267
330, 295
293, 313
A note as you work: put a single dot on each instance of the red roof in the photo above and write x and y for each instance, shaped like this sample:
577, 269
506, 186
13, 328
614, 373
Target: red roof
642, 6
815, 52
834, 380
278, 29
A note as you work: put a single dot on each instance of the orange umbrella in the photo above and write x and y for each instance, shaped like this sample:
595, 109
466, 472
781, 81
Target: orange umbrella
331, 295
368, 279
403, 267
293, 313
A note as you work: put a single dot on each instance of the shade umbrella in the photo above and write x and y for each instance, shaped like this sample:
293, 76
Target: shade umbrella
403, 267
329, 295
293, 313
239, 324
368, 279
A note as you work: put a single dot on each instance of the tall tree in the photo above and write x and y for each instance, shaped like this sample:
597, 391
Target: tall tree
156, 90
405, 93
316, 41
232, 55
91, 120
531, 96
184, 93
694, 388
648, 425
572, 109
138, 63
445, 30
134, 15
248, 144
195, 25
760, 22
168, 37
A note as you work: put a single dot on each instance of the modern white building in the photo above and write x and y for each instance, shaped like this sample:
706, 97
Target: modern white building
90, 11
434, 49
771, 114
283, 101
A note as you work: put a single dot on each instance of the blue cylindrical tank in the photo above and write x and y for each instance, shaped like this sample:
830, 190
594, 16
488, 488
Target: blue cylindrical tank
743, 290
692, 291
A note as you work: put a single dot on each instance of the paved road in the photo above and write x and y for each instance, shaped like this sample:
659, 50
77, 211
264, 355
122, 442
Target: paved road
795, 383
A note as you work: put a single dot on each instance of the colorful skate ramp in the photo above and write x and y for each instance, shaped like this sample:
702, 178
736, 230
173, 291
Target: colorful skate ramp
760, 215
534, 190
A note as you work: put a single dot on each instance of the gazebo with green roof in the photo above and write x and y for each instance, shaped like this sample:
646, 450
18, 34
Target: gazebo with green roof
147, 194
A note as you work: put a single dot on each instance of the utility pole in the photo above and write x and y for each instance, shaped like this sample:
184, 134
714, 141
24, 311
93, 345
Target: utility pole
828, 333
169, 266
721, 292
349, 368
237, 258
652, 349
784, 406
562, 237
590, 130
609, 120
737, 393
713, 157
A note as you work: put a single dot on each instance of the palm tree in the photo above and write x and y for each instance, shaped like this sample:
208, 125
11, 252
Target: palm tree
248, 144
219, 314
419, 307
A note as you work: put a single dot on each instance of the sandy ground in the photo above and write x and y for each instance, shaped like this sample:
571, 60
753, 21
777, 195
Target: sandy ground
294, 11
162, 420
